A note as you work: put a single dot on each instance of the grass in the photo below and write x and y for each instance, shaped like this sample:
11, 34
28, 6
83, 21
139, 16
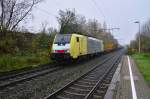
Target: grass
19, 60
143, 61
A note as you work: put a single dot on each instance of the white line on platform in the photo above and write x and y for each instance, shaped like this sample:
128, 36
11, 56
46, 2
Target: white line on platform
134, 96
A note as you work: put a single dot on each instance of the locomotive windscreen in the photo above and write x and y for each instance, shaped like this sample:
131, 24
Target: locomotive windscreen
62, 38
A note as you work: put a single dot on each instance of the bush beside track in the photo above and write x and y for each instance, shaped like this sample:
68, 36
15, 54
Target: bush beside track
19, 61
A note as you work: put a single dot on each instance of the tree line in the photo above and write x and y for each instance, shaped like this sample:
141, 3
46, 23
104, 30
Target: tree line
71, 22
13, 39
144, 36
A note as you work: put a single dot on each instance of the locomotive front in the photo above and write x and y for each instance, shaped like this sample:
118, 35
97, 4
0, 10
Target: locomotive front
61, 47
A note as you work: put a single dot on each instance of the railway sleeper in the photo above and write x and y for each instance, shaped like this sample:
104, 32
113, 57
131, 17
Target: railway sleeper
105, 84
87, 82
103, 87
90, 80
106, 81
75, 94
72, 95
85, 79
61, 97
95, 96
108, 78
93, 78
100, 91
83, 87
78, 91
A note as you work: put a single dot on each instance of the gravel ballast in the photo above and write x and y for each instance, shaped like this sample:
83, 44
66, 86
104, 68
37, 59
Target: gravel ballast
40, 87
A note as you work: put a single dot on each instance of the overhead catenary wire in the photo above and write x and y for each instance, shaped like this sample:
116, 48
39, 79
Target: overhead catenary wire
46, 12
105, 9
99, 10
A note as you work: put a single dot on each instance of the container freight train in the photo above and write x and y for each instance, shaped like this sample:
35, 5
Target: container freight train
74, 46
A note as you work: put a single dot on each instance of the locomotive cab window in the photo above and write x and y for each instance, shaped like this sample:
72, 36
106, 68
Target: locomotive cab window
77, 39
62, 39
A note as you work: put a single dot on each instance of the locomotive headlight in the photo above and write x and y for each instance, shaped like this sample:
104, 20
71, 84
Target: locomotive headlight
53, 51
68, 51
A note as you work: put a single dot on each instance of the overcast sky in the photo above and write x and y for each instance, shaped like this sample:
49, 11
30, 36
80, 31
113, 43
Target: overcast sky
117, 13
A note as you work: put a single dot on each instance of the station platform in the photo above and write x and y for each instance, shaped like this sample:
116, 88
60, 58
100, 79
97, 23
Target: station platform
128, 82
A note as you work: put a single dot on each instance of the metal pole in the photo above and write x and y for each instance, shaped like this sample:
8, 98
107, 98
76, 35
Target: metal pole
139, 39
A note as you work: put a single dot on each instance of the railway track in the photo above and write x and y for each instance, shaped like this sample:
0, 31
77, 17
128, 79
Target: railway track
13, 74
92, 84
15, 78
11, 80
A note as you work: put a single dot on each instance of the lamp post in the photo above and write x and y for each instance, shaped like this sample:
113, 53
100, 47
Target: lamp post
138, 22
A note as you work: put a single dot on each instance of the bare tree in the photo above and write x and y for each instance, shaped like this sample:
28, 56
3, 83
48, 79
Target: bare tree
145, 37
44, 27
66, 19
146, 29
13, 12
94, 28
52, 31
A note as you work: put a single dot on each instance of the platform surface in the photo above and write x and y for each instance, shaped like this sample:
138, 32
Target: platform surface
125, 88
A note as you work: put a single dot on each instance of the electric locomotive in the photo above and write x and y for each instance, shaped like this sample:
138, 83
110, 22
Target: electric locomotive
74, 46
